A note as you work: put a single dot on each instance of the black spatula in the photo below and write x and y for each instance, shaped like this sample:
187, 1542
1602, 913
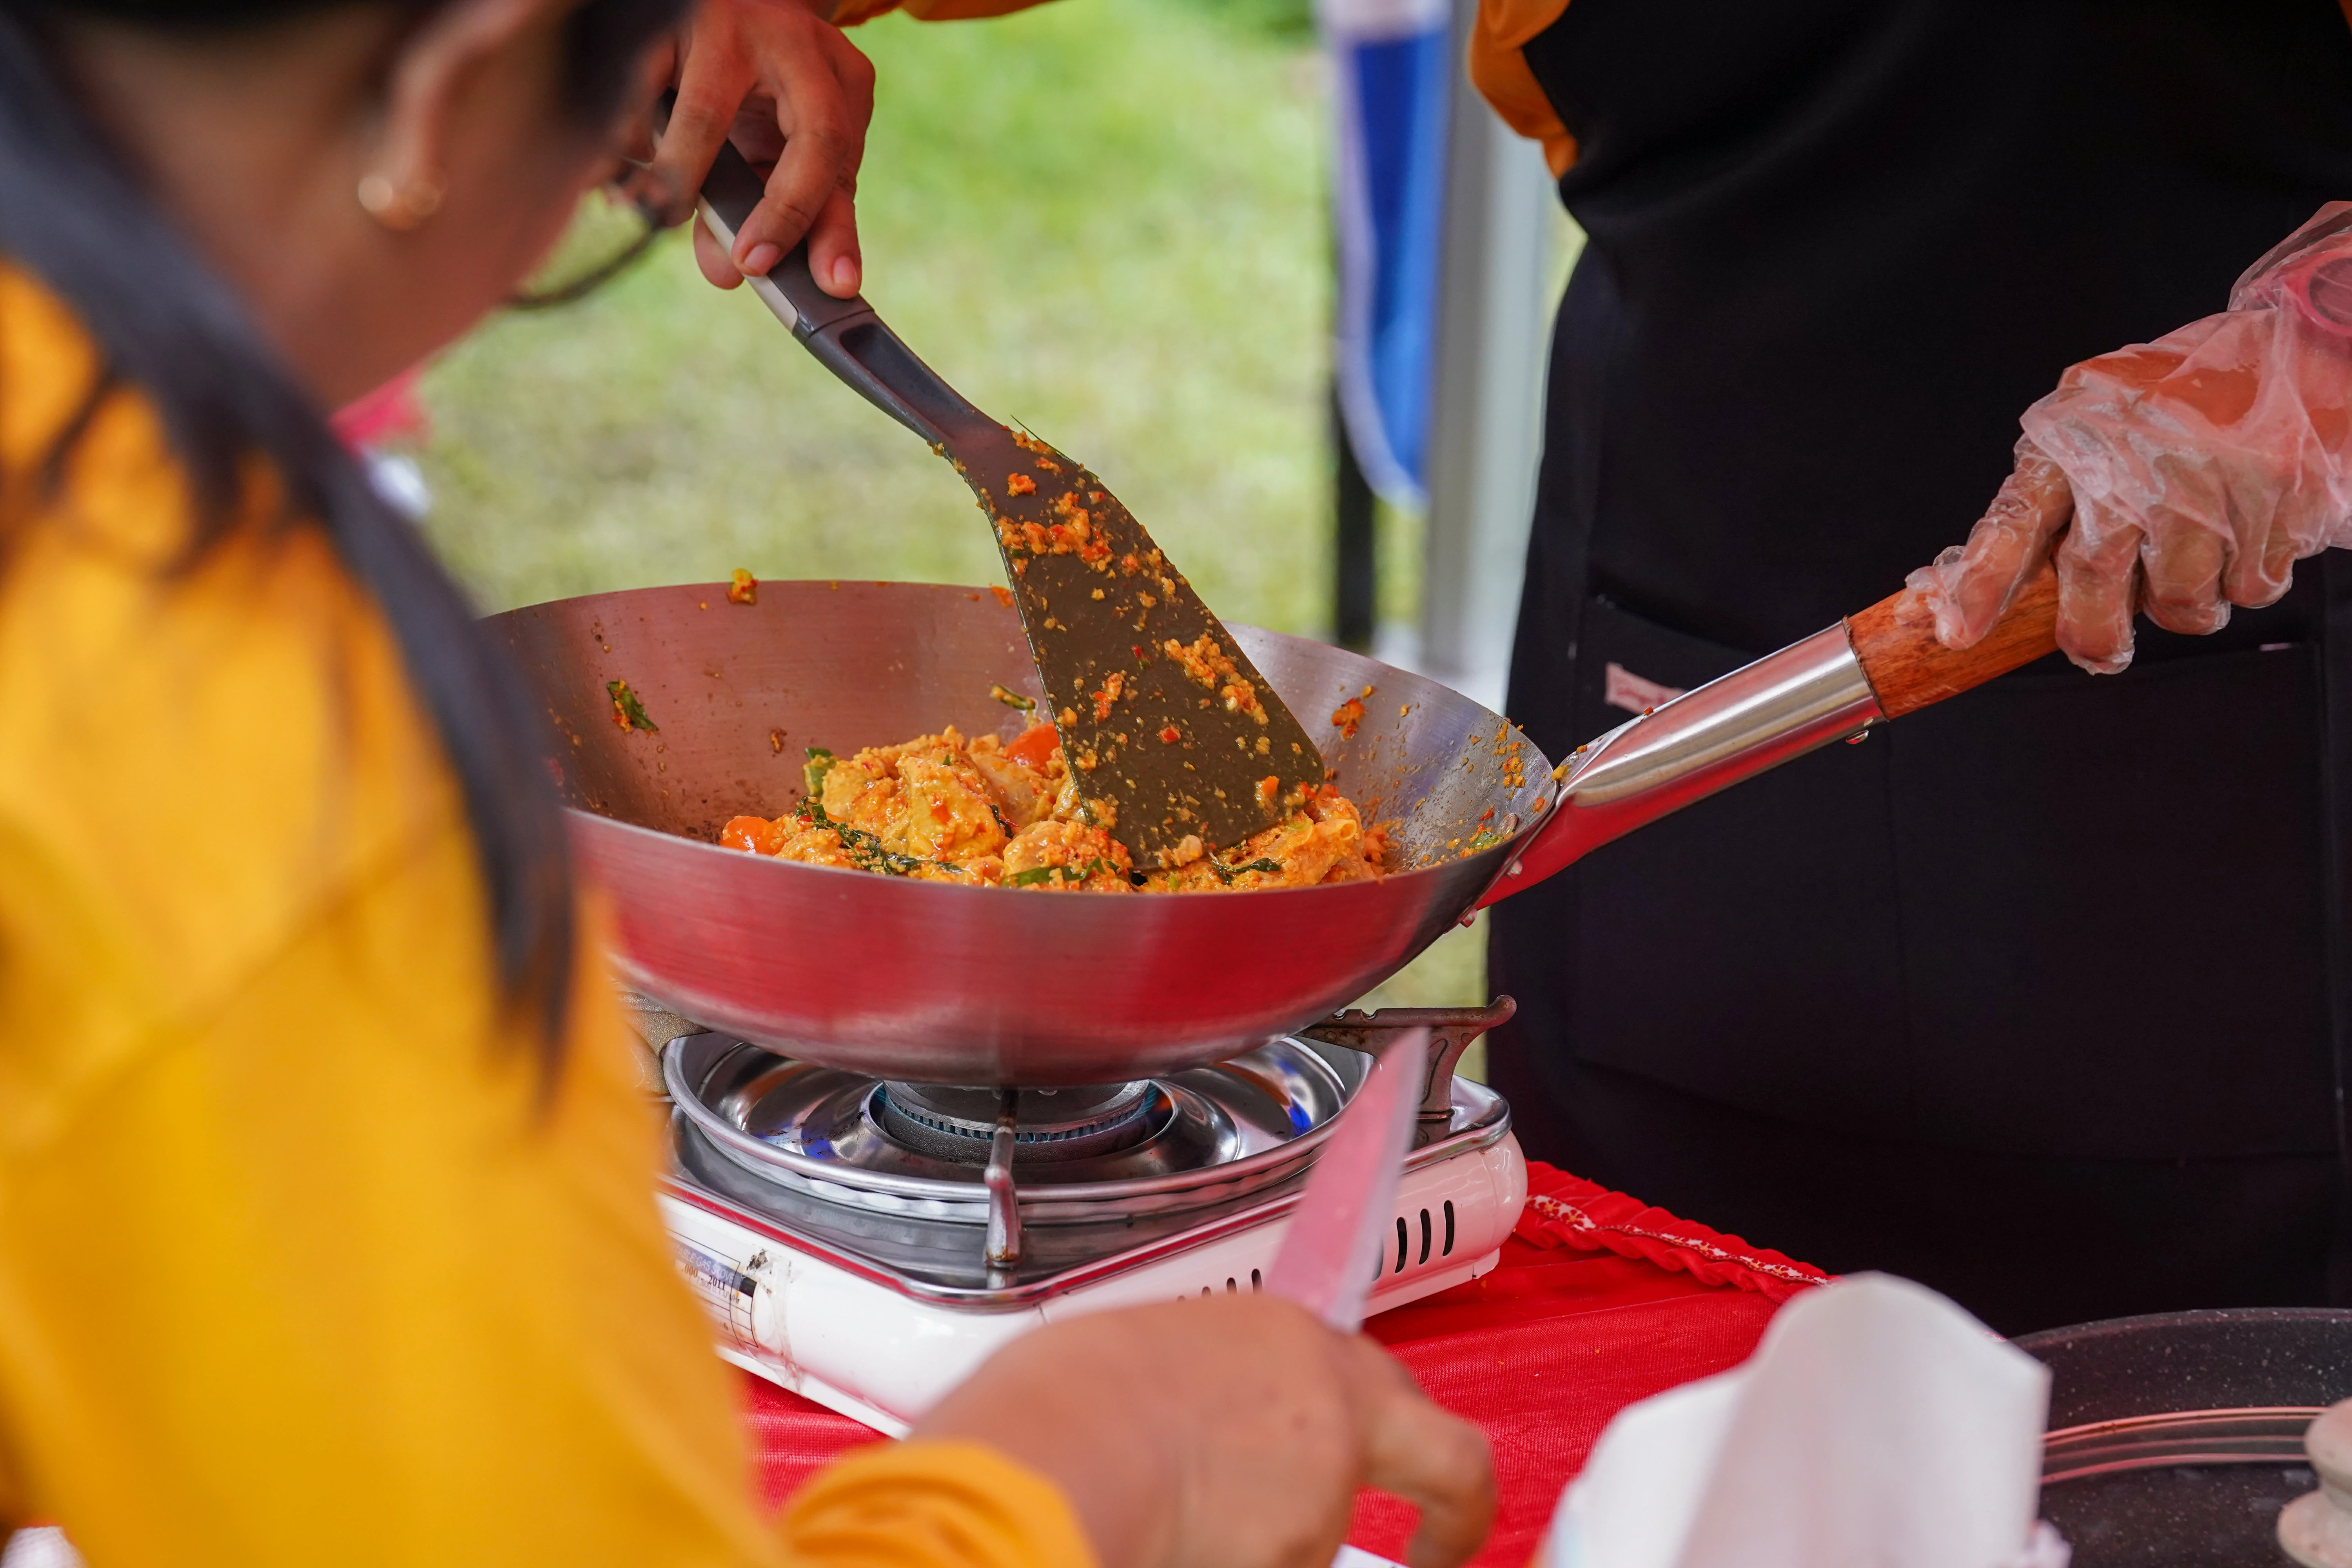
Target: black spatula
1158, 708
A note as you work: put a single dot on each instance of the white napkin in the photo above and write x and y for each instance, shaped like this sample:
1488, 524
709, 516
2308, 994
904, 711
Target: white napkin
1878, 1425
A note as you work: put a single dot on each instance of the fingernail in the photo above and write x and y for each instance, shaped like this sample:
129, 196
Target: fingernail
760, 261
844, 275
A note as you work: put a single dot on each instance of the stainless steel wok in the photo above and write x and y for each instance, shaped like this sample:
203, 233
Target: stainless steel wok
943, 983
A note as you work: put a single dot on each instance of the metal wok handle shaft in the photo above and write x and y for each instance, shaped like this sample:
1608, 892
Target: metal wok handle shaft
845, 335
1880, 664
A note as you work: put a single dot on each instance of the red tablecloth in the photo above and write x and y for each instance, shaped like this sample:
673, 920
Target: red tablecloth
1599, 1302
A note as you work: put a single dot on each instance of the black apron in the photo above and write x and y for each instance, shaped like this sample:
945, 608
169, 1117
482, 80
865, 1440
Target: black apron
2037, 996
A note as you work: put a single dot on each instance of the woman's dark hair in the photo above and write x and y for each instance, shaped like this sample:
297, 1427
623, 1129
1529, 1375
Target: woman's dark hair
71, 214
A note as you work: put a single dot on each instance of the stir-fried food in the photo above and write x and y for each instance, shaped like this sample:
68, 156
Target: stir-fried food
1011, 814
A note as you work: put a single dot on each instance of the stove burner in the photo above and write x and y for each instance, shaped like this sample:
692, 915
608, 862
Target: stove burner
1053, 1125
1086, 1155
925, 1189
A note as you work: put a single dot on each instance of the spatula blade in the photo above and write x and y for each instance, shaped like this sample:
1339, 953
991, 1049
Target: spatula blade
1158, 708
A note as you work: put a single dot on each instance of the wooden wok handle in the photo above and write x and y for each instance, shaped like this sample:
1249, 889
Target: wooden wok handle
1908, 668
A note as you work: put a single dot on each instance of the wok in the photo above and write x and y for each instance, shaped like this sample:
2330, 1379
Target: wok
945, 984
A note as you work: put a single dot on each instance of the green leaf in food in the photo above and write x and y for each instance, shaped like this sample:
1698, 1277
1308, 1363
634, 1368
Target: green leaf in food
1036, 875
627, 711
868, 853
1012, 699
820, 762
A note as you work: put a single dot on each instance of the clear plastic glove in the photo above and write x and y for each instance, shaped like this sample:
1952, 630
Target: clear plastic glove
2185, 475
1227, 1433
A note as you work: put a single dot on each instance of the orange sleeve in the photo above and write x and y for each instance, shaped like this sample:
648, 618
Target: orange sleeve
931, 1505
851, 12
1499, 69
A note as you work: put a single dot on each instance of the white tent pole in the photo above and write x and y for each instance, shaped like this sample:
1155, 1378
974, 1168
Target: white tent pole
1492, 336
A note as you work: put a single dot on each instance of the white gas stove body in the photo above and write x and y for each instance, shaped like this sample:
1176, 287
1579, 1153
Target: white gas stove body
847, 1336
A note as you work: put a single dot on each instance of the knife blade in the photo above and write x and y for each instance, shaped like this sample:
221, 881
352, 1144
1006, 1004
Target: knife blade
1339, 1233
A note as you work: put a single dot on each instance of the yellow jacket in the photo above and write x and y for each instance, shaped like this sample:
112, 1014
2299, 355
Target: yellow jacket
296, 1266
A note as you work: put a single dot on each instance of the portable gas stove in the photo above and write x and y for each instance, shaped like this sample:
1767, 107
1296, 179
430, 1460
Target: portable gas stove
867, 1243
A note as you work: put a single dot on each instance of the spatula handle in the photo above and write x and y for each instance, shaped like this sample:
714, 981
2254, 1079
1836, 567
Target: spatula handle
1908, 668
845, 335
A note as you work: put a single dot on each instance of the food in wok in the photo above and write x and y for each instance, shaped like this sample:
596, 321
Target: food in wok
1015, 814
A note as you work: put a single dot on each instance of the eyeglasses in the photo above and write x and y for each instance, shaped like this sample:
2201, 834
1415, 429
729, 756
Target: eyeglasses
608, 232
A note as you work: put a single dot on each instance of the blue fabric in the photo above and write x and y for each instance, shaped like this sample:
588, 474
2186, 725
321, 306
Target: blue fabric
1393, 106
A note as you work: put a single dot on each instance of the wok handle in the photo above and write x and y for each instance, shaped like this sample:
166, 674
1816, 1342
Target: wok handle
1880, 664
1908, 668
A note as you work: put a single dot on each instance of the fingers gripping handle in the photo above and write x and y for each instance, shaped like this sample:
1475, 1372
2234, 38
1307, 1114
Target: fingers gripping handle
1908, 669
1880, 664
845, 335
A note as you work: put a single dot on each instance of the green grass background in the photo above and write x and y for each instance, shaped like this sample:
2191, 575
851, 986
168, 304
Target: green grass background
1104, 219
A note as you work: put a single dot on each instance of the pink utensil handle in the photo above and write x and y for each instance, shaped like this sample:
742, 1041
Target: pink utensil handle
1339, 1230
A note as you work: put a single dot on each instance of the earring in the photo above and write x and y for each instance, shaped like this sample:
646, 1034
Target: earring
399, 206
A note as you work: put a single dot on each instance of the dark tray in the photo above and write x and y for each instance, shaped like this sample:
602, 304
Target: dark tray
2176, 1438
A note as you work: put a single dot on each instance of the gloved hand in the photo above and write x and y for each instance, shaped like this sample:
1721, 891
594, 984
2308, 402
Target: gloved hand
2195, 470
